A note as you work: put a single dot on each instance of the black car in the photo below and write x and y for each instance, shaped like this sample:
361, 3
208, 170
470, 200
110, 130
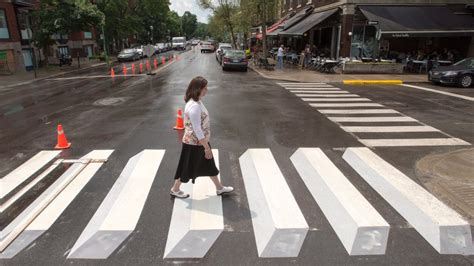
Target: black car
460, 73
128, 55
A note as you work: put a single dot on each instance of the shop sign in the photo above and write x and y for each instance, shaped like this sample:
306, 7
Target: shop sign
400, 35
3, 55
372, 22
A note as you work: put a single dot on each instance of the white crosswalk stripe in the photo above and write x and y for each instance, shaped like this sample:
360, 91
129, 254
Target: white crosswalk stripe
344, 102
277, 219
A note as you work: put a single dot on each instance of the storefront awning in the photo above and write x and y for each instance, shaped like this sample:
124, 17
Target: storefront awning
418, 21
308, 23
297, 17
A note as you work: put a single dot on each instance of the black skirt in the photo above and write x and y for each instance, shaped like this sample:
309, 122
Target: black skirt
192, 164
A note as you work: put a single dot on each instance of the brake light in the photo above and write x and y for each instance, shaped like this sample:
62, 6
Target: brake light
226, 59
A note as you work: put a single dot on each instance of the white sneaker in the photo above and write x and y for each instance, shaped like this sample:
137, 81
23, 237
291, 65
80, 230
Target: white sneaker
180, 194
224, 190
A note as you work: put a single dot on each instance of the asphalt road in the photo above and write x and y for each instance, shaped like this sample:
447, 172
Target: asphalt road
130, 114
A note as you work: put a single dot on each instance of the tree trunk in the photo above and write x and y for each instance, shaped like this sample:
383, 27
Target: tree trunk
232, 36
264, 40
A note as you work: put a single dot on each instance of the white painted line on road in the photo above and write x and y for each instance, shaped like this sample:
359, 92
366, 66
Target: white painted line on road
441, 226
373, 119
329, 92
358, 111
98, 76
11, 200
361, 229
346, 105
312, 94
278, 224
335, 100
197, 221
16, 177
298, 83
440, 92
414, 142
119, 212
51, 213
314, 89
381, 129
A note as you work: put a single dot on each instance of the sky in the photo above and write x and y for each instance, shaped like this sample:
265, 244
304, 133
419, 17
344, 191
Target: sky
182, 6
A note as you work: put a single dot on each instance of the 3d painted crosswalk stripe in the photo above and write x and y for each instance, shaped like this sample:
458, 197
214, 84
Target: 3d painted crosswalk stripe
9, 182
197, 221
311, 94
361, 229
313, 89
380, 129
330, 92
51, 213
358, 111
373, 119
346, 105
118, 214
313, 99
441, 226
278, 224
298, 83
414, 142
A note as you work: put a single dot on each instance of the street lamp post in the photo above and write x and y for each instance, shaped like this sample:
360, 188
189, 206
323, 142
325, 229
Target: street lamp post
103, 39
32, 51
151, 29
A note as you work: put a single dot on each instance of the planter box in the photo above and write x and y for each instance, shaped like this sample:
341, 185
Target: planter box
372, 68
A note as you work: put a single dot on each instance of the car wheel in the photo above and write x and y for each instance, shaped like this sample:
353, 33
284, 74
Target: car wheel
465, 81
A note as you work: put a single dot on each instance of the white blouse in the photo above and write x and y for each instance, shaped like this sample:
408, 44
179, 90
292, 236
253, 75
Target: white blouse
196, 122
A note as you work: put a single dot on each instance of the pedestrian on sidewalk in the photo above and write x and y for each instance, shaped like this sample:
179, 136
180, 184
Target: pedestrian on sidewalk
280, 57
196, 155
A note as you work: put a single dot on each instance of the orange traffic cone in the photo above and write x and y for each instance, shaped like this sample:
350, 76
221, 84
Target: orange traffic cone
155, 63
124, 70
112, 73
141, 67
62, 141
133, 69
179, 121
163, 60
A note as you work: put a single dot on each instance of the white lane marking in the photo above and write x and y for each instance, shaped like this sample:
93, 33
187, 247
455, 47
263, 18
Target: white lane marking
391, 129
278, 224
373, 119
51, 213
361, 229
313, 89
311, 94
24, 171
441, 226
99, 76
414, 142
346, 105
358, 111
330, 92
197, 221
335, 100
19, 224
440, 92
120, 211
11, 200
296, 83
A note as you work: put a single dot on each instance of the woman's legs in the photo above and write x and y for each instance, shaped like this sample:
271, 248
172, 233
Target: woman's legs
216, 182
176, 185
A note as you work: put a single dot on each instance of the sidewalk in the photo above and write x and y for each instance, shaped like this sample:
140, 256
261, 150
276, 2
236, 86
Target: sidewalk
295, 74
26, 77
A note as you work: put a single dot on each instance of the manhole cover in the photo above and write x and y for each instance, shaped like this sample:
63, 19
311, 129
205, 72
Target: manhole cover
111, 101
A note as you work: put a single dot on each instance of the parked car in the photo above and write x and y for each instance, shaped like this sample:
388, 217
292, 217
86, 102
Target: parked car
207, 47
179, 43
460, 74
195, 42
160, 47
220, 50
128, 55
234, 59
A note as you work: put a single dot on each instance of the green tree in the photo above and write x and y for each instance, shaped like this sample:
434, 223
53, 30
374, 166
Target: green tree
63, 17
189, 24
152, 13
174, 24
202, 30
224, 13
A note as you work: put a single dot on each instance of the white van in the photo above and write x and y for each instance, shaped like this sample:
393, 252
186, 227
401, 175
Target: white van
178, 43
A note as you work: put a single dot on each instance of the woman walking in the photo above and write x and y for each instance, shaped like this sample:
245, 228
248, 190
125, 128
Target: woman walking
196, 155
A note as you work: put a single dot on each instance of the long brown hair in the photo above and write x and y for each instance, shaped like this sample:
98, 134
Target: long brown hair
195, 87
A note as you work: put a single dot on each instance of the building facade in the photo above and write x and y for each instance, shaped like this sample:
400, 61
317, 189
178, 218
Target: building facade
378, 28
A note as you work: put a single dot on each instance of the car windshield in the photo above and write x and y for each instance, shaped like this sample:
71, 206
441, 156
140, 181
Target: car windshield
178, 40
128, 51
468, 62
225, 47
234, 53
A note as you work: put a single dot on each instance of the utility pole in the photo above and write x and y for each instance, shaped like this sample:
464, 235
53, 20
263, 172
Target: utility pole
32, 52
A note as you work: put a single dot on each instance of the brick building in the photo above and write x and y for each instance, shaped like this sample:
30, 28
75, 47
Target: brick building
376, 28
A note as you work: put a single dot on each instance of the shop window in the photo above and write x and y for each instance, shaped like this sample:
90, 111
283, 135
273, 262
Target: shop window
364, 42
4, 34
87, 35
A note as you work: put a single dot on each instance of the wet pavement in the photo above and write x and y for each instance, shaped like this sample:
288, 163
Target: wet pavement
130, 114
